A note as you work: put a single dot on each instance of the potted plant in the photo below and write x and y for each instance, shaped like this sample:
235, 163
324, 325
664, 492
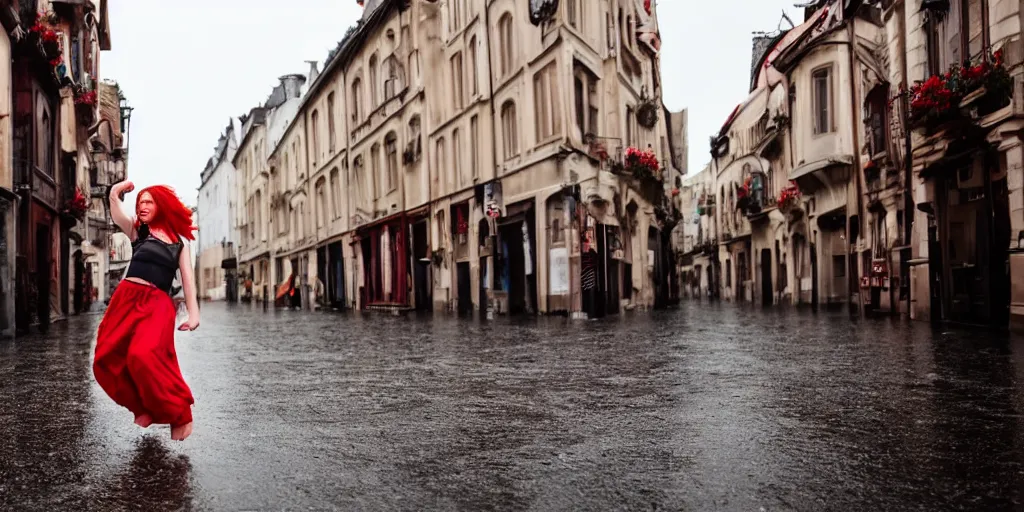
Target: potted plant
642, 165
76, 207
789, 198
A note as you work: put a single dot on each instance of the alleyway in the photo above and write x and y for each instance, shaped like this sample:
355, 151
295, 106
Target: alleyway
710, 407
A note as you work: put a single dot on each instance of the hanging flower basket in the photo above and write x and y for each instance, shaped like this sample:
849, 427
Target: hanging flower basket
77, 206
938, 99
86, 98
642, 165
647, 110
789, 198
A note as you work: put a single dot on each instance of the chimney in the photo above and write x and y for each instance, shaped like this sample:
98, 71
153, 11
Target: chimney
292, 85
762, 44
314, 71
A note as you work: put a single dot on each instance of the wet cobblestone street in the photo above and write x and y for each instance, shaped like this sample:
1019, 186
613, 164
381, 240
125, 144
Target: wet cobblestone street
708, 407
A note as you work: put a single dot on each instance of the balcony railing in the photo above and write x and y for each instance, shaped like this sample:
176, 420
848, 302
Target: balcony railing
22, 174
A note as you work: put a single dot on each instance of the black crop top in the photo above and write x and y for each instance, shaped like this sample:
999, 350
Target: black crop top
154, 260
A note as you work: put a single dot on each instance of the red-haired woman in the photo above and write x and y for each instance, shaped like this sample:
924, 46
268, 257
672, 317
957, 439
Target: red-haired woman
136, 363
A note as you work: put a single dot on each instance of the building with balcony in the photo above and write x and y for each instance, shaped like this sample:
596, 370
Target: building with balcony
262, 129
217, 236
499, 181
54, 49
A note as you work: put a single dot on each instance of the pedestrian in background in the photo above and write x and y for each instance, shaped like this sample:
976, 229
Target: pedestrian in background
136, 363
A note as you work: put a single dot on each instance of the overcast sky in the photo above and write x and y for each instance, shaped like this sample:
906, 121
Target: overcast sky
188, 69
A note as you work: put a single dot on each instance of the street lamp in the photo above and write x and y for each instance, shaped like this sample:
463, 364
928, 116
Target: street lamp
126, 118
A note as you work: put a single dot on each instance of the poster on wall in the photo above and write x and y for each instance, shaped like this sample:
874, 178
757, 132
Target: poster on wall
559, 258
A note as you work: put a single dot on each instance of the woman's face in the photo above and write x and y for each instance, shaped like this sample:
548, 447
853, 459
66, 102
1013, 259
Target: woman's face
146, 207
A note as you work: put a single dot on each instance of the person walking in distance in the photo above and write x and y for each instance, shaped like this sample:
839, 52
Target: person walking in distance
136, 363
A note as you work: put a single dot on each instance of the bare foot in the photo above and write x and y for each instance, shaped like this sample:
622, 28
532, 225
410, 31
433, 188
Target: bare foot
143, 420
181, 432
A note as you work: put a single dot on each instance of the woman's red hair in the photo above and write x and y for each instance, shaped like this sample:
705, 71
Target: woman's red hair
171, 214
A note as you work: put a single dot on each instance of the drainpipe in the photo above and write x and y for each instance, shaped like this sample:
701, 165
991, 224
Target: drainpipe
908, 158
852, 263
494, 153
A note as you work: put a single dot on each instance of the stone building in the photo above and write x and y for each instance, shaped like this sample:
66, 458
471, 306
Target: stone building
894, 124
53, 53
262, 129
217, 236
497, 181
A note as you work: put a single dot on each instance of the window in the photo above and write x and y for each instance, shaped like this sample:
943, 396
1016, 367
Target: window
975, 27
545, 84
321, 203
474, 78
585, 88
457, 158
414, 137
455, 13
373, 81
572, 14
821, 82
630, 133
474, 147
877, 119
332, 139
839, 265
509, 130
457, 81
391, 149
375, 170
359, 178
505, 44
357, 95
414, 66
441, 170
393, 82
315, 122
335, 195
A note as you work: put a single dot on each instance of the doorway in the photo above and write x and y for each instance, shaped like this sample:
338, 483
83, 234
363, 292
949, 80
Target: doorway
521, 287
767, 295
421, 266
465, 288
43, 275
79, 277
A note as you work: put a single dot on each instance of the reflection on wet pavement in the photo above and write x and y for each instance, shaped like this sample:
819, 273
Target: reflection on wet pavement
709, 407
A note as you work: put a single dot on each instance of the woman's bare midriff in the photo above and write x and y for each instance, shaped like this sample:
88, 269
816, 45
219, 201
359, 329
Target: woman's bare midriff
140, 281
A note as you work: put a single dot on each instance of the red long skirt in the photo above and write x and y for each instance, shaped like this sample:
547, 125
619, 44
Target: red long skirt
136, 363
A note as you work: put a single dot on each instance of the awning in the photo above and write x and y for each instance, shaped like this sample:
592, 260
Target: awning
819, 165
229, 263
284, 288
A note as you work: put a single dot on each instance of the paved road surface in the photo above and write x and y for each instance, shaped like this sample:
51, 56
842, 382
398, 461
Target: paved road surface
709, 407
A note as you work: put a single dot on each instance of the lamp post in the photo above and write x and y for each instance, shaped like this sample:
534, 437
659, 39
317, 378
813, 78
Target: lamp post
126, 118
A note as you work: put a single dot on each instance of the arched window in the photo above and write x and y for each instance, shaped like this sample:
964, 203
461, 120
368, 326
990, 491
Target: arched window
359, 178
391, 150
375, 170
321, 207
509, 129
332, 139
394, 79
373, 81
474, 77
357, 98
335, 193
415, 141
505, 44
314, 120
